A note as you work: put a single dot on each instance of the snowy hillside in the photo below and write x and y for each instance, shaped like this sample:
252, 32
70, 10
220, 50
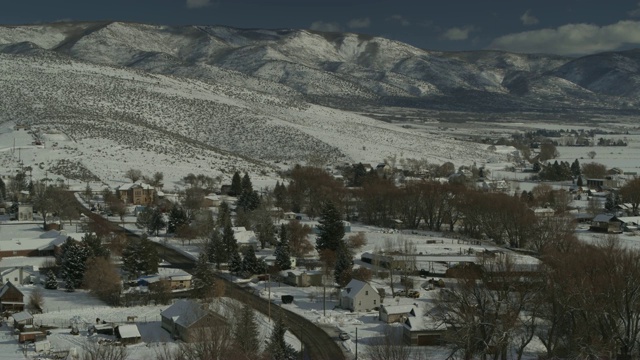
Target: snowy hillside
327, 67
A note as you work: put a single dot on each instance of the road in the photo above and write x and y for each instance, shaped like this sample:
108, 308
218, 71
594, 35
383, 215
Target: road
317, 343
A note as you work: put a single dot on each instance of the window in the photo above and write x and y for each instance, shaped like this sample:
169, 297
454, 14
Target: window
366, 292
359, 302
374, 302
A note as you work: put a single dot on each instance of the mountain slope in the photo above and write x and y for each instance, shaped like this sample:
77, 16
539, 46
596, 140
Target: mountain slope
327, 67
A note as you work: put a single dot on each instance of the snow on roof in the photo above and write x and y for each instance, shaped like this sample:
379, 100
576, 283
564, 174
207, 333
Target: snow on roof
138, 184
238, 229
396, 309
22, 316
213, 197
26, 269
630, 219
184, 312
355, 286
418, 320
246, 237
604, 218
129, 331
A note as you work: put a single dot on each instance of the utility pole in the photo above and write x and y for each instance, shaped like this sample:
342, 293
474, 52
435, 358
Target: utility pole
269, 280
324, 297
356, 343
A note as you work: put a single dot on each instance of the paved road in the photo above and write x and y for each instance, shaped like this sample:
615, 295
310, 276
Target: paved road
318, 344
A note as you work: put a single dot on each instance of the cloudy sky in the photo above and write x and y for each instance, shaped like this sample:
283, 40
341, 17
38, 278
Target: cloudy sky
566, 27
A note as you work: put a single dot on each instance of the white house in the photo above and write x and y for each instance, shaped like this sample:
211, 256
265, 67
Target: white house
20, 275
394, 313
245, 238
359, 296
25, 212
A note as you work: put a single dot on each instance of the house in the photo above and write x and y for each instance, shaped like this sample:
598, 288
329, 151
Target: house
359, 296
136, 193
177, 278
289, 215
20, 275
422, 329
543, 212
270, 260
128, 334
211, 200
245, 238
11, 299
606, 223
394, 313
22, 319
184, 317
25, 212
303, 278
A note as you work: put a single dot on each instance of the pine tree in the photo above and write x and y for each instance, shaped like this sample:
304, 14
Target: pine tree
250, 261
229, 240
224, 215
236, 185
3, 190
277, 347
177, 218
51, 282
74, 260
280, 195
282, 252
235, 263
575, 168
140, 257
344, 266
156, 222
246, 332
331, 228
203, 278
215, 249
247, 187
95, 247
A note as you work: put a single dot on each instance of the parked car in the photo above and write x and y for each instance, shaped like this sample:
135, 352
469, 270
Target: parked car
344, 336
413, 294
400, 293
424, 273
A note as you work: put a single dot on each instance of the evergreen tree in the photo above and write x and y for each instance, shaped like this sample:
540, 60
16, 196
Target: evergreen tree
156, 222
74, 260
280, 195
236, 185
282, 252
216, 252
177, 218
235, 263
246, 332
249, 201
203, 278
229, 240
250, 261
224, 215
277, 347
51, 282
95, 247
536, 167
247, 187
140, 257
344, 265
331, 228
575, 168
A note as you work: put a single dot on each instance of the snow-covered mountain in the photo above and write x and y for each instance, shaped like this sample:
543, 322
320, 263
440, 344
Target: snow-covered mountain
251, 96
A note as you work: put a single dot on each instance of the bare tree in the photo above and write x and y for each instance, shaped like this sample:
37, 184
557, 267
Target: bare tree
36, 301
389, 346
133, 175
103, 280
95, 351
591, 154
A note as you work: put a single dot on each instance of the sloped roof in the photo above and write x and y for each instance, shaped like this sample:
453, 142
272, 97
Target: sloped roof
129, 331
396, 309
246, 237
184, 312
605, 218
355, 286
418, 320
139, 185
22, 316
6, 288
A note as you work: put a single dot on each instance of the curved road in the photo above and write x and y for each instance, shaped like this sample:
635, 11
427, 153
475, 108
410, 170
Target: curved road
318, 344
